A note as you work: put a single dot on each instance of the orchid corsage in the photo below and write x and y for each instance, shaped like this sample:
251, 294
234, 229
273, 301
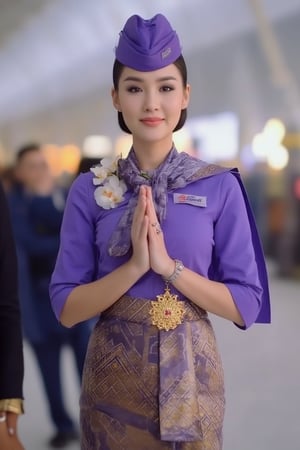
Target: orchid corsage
111, 189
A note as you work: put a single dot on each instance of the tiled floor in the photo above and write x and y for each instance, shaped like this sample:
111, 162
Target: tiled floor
262, 369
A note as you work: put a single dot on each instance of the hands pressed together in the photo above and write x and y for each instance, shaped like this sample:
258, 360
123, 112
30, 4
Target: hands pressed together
8, 436
149, 250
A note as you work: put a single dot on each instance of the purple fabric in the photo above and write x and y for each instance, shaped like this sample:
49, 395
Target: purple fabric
191, 394
176, 171
218, 241
147, 45
156, 387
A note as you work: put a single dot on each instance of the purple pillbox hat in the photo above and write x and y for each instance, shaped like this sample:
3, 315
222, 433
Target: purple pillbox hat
147, 45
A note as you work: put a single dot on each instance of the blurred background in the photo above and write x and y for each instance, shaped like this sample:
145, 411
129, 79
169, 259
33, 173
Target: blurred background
243, 63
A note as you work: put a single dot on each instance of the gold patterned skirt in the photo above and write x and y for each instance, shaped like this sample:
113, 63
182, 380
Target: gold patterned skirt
147, 389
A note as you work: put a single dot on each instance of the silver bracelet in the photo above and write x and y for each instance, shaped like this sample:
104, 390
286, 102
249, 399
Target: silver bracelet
178, 268
3, 418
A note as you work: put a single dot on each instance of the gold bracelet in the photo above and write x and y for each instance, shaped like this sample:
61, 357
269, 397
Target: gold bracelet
14, 405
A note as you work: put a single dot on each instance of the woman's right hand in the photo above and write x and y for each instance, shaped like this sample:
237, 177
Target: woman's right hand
139, 229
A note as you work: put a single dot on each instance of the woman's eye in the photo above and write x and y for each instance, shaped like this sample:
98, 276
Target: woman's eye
167, 88
133, 89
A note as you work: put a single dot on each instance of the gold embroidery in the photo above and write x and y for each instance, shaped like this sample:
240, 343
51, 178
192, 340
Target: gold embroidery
167, 311
132, 385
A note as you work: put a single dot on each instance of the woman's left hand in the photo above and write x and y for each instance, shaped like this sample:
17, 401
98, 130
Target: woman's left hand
160, 261
8, 433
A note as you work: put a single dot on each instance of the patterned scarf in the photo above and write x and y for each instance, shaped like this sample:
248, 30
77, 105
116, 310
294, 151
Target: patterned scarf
176, 171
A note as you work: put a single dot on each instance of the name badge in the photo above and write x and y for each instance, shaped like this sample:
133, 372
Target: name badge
196, 200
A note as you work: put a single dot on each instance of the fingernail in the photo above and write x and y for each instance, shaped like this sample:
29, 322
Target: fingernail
11, 431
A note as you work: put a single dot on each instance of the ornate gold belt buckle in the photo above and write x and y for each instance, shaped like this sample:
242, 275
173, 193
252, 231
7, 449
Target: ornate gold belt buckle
167, 311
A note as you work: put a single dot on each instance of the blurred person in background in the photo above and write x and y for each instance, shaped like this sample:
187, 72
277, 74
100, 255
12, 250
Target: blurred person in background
11, 346
7, 177
256, 185
37, 205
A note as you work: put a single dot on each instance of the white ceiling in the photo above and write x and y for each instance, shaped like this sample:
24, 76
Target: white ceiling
53, 50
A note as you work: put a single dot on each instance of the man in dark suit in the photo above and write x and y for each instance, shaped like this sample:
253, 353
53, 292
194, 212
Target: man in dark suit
37, 205
11, 349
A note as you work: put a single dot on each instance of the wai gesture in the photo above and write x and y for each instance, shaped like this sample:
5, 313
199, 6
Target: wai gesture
149, 250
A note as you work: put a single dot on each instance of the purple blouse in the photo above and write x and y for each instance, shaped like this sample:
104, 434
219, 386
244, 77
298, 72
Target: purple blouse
215, 237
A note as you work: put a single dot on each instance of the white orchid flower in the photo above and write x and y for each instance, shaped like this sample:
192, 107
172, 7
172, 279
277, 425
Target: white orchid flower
111, 164
101, 173
110, 190
111, 193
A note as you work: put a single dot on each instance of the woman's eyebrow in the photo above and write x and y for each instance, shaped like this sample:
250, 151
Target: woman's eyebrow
141, 80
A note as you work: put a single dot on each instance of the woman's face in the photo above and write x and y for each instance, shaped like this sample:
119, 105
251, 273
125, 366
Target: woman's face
151, 102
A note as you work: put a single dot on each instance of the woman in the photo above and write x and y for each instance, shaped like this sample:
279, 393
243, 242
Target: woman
11, 349
163, 239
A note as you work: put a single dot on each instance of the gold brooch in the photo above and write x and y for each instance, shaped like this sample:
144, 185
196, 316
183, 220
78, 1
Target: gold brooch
167, 311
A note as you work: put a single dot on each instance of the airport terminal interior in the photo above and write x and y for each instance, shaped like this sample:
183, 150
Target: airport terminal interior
56, 59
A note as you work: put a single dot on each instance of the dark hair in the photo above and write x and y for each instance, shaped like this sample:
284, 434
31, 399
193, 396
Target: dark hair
25, 149
86, 163
117, 71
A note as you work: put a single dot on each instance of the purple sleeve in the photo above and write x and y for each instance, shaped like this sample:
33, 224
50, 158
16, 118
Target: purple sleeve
76, 260
234, 259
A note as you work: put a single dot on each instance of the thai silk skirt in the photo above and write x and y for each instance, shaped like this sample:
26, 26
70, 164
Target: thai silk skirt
147, 389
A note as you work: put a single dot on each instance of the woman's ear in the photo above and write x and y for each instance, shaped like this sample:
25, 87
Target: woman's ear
115, 99
186, 96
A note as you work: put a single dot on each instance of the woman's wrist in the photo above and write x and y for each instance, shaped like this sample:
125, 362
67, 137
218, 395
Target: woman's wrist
168, 269
173, 272
14, 405
135, 269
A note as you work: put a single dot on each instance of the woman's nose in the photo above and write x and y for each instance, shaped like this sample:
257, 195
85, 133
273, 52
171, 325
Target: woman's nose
151, 102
